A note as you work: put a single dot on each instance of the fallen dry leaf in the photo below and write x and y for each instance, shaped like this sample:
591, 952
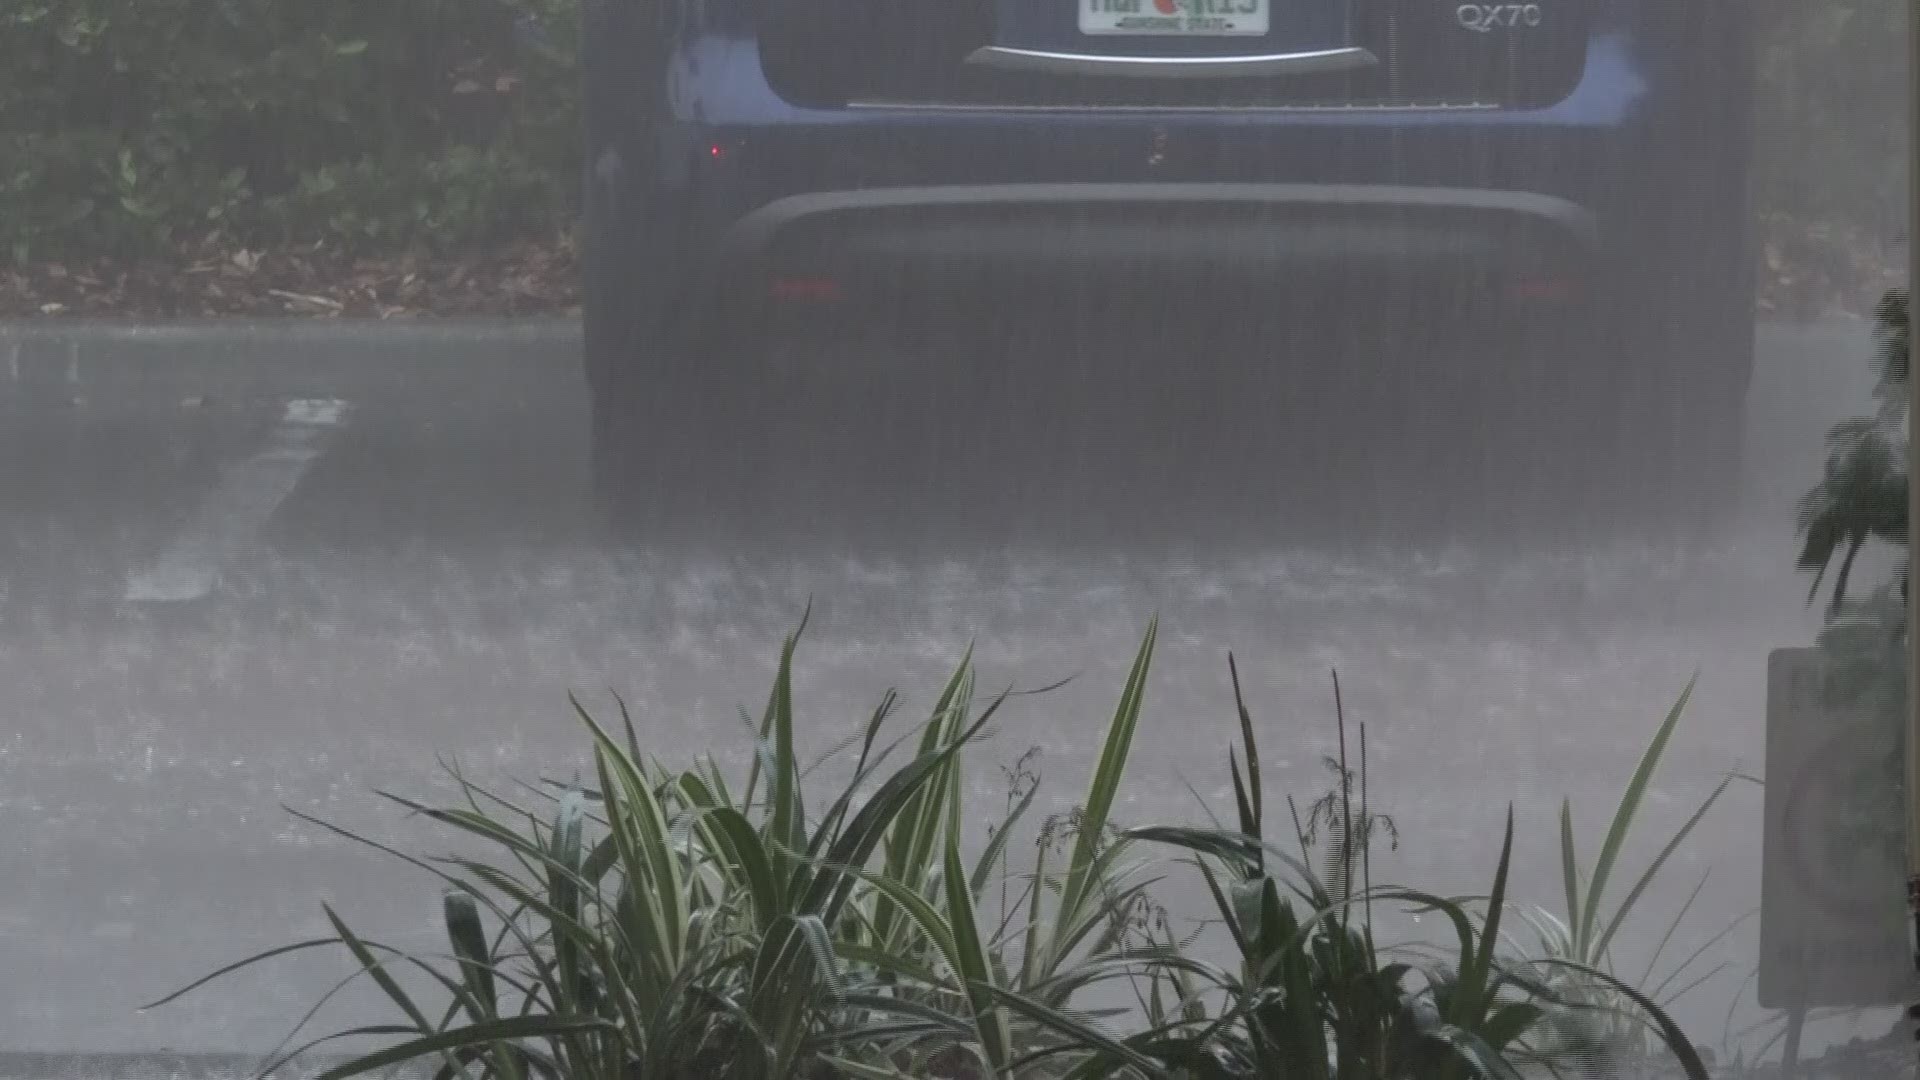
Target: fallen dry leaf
309, 300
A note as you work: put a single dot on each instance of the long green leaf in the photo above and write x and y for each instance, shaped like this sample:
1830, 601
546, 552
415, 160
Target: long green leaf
470, 821
997, 843
920, 1012
1162, 960
274, 1063
1253, 813
1478, 981
1623, 820
1030, 959
636, 817
830, 888
376, 970
733, 835
875, 721
474, 1035
1105, 784
1639, 887
1509, 1023
1673, 927
278, 1056
1700, 950
836, 815
788, 823
1471, 1049
974, 968
241, 965
766, 732
561, 926
925, 917
1079, 1031
469, 941
914, 837
363, 954
893, 962
1117, 894
1231, 846
1569, 869
861, 1071
566, 850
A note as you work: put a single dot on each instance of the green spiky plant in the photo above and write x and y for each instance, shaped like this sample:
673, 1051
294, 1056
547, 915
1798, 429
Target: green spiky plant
1584, 933
659, 925
1064, 931
662, 923
1314, 996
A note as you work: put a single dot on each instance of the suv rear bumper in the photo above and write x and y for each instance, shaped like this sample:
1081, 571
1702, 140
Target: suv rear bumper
1283, 245
1272, 223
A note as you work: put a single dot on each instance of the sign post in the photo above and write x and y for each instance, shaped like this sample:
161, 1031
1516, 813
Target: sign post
1913, 482
1913, 490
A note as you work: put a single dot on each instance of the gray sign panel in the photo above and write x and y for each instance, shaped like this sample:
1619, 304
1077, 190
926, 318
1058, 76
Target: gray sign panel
1833, 912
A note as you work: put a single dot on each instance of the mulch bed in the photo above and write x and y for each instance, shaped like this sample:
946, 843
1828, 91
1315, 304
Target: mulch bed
1812, 269
525, 278
1806, 273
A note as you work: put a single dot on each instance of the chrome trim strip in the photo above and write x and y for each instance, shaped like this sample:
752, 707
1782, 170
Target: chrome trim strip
1173, 67
972, 107
752, 232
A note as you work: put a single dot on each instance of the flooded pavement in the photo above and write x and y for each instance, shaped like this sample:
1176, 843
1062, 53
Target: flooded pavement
216, 605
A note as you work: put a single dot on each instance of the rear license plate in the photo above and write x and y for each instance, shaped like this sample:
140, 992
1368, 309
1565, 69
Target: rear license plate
1175, 18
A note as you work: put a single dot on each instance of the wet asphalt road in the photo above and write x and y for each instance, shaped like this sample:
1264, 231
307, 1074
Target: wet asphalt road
222, 594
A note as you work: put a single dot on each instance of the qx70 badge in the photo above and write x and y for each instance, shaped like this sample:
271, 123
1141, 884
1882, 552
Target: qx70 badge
1486, 18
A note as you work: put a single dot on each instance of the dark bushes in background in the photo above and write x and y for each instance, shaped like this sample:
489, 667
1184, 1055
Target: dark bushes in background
1830, 167
134, 129
131, 129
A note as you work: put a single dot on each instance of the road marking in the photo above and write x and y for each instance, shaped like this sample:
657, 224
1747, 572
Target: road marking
232, 514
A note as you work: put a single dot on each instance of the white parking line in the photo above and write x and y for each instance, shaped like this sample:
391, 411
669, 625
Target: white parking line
232, 514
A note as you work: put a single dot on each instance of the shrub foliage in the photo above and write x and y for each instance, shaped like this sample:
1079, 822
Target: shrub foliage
129, 129
133, 129
668, 921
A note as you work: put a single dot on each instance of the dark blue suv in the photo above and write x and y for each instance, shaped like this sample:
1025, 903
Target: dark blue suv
1565, 177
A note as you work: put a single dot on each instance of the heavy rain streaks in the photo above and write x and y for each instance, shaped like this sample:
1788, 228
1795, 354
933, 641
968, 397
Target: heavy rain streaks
439, 579
1471, 358
1123, 419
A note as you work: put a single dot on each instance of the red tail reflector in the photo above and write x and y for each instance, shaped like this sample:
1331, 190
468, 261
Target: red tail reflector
1543, 289
805, 289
